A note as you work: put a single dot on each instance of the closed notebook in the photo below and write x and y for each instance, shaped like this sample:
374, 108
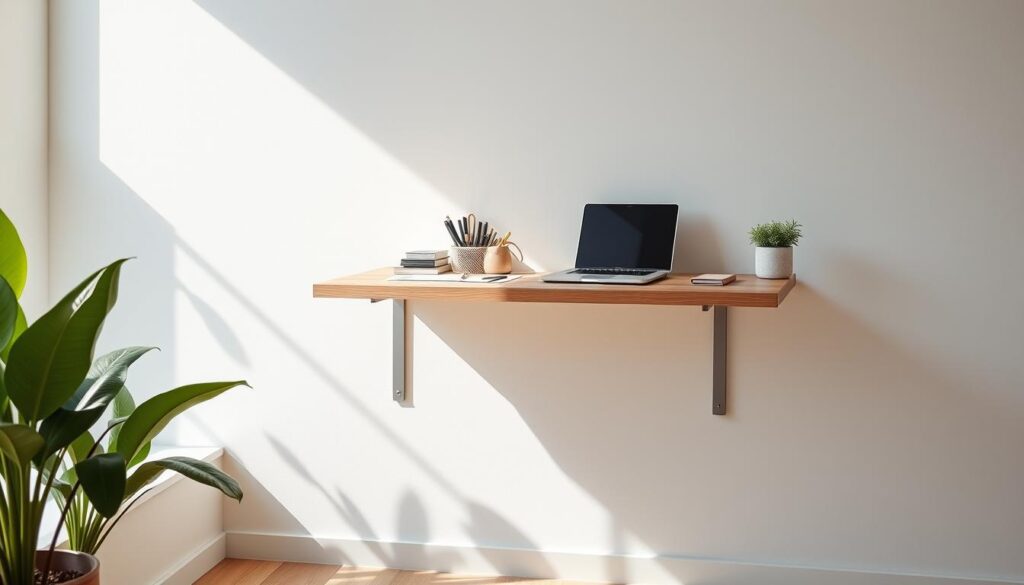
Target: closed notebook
426, 254
713, 279
410, 263
434, 270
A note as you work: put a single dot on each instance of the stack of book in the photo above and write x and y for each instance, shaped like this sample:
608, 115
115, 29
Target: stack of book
424, 262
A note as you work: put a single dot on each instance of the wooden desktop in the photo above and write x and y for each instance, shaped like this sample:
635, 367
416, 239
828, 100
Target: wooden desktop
676, 289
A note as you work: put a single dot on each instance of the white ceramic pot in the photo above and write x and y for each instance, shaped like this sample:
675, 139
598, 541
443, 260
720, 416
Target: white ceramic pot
773, 262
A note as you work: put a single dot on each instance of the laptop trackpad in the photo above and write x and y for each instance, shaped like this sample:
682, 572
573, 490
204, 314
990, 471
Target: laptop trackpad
596, 277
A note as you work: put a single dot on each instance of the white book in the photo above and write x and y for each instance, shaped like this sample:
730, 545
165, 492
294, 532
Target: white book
426, 254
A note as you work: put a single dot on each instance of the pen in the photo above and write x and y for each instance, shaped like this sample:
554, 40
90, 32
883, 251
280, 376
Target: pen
494, 278
462, 232
451, 230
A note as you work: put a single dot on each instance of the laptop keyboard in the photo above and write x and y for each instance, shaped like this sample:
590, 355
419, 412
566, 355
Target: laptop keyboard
626, 271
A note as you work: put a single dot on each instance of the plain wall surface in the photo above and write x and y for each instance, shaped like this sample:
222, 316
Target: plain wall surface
23, 137
244, 150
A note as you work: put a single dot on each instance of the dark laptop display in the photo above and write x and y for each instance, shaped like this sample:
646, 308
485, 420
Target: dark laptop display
627, 236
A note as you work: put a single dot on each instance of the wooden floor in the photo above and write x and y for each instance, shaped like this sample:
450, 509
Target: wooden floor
244, 572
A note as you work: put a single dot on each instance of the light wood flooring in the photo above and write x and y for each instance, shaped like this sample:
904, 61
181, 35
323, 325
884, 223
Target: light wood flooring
246, 572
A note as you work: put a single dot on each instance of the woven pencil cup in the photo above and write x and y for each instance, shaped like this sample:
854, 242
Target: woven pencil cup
467, 260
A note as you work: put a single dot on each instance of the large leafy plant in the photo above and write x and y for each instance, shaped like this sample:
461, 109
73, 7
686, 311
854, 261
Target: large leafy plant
52, 394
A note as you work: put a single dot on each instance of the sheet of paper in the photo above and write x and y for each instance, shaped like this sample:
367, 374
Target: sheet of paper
475, 278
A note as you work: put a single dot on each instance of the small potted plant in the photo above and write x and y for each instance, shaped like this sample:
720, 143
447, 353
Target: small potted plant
773, 257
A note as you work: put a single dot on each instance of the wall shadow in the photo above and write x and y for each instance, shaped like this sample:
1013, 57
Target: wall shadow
841, 431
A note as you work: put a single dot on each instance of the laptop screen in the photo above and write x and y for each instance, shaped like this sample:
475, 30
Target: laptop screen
627, 236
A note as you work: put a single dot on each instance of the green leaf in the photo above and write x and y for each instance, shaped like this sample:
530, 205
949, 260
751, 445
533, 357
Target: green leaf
79, 449
124, 405
103, 382
5, 410
103, 477
153, 415
8, 312
117, 423
19, 443
140, 455
106, 378
13, 260
52, 356
62, 487
69, 476
194, 469
20, 325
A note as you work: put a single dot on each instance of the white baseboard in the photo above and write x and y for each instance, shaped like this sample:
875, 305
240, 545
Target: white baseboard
196, 564
659, 570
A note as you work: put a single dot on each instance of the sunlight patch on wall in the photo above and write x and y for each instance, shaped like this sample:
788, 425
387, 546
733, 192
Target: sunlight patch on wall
264, 188
188, 111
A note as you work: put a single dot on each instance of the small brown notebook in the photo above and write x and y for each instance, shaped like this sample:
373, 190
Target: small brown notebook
713, 279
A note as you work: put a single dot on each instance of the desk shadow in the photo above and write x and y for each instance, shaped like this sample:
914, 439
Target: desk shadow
620, 398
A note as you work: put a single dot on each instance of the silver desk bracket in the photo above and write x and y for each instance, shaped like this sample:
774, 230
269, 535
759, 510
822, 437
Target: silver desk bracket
398, 349
718, 360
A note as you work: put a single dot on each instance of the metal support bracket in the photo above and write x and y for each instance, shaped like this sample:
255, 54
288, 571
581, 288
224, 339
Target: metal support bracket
718, 360
718, 365
398, 350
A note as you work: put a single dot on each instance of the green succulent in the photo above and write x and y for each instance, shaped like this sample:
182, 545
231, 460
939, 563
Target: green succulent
776, 234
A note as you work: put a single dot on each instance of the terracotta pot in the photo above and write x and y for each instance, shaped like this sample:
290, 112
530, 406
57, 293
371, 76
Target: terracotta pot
72, 561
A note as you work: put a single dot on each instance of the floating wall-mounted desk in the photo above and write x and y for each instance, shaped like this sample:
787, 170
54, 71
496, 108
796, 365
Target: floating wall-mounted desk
746, 291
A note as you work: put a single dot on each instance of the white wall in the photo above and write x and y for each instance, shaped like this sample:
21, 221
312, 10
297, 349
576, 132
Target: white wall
23, 129
243, 150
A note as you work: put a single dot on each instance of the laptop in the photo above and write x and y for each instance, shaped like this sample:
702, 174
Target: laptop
623, 244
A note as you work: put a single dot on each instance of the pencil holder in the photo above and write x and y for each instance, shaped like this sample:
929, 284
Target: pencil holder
467, 260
